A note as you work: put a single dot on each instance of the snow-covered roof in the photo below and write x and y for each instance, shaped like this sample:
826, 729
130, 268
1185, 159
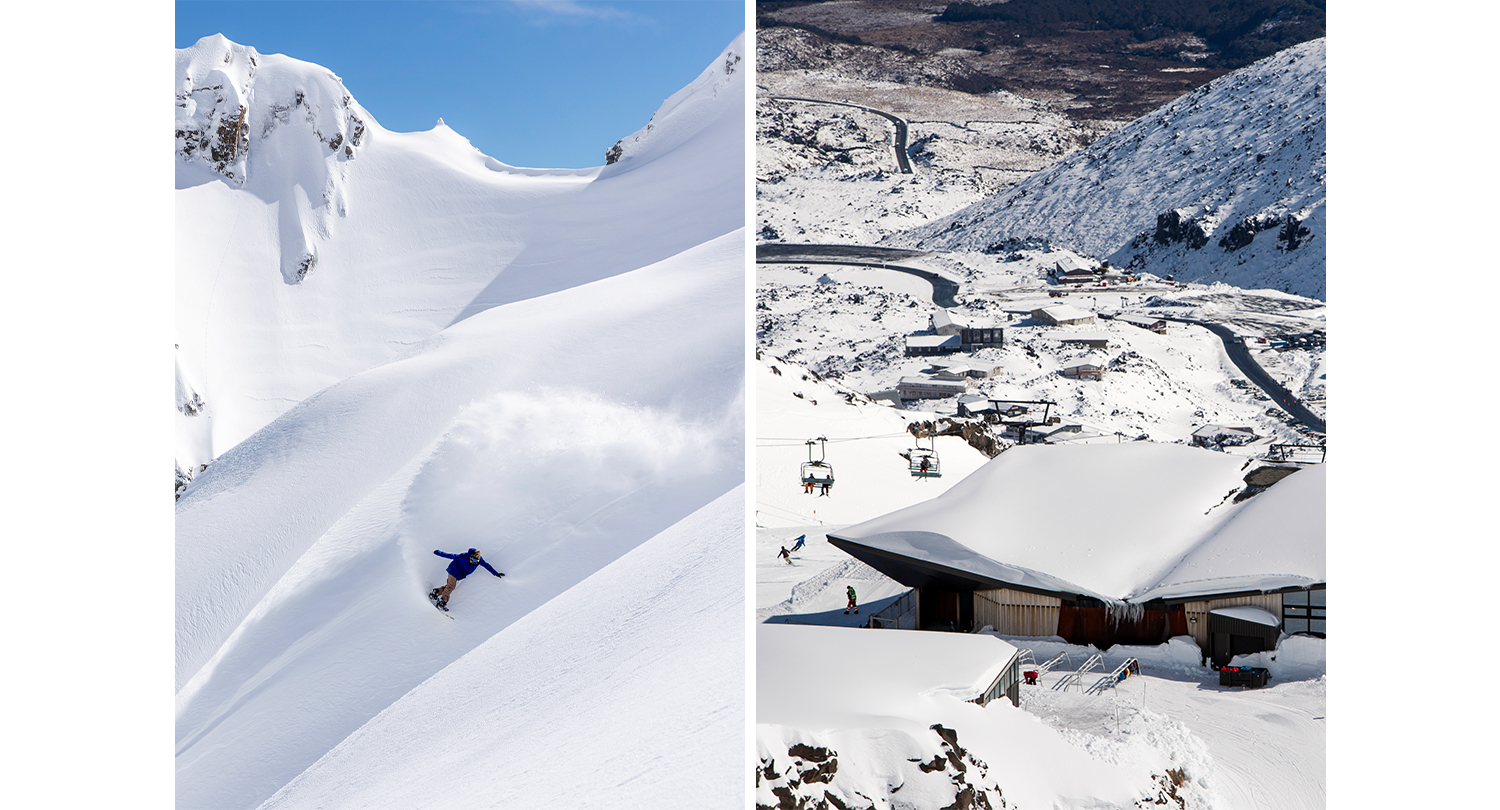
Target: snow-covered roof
1209, 431
818, 677
1248, 613
933, 341
933, 382
1275, 540
1158, 525
1070, 264
942, 318
1064, 312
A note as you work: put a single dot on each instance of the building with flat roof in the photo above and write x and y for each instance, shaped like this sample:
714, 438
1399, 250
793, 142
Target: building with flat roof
921, 345
1062, 315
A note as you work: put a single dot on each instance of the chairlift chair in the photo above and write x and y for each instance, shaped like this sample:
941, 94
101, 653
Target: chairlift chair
923, 461
817, 472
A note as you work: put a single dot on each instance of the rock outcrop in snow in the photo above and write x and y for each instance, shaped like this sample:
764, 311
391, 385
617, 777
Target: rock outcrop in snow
1224, 184
230, 97
240, 112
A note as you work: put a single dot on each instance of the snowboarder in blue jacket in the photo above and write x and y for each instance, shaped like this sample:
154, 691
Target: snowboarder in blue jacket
462, 566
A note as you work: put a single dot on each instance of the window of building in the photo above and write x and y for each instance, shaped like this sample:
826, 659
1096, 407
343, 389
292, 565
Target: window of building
1305, 612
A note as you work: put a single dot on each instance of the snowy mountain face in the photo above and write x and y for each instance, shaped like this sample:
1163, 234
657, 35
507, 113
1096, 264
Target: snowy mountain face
1226, 184
476, 358
314, 244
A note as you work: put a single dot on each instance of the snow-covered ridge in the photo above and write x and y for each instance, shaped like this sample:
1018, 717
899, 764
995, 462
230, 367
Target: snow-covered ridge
1226, 183
306, 265
230, 98
720, 88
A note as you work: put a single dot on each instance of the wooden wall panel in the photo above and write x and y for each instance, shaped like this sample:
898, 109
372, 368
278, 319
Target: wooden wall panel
1016, 613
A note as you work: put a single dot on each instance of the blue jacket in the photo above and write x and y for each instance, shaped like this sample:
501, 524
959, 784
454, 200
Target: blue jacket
461, 567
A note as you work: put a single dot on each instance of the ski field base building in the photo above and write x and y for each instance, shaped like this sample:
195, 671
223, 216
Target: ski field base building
1108, 544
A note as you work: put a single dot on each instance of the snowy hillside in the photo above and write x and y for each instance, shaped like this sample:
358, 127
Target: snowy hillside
313, 244
1224, 184
476, 358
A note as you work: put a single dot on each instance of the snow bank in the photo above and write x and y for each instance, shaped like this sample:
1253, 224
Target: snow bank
1296, 658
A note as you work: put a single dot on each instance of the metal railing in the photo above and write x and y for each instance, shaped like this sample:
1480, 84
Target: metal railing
1120, 673
1075, 678
900, 614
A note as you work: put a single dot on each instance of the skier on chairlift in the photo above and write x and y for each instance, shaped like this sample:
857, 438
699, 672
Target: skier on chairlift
462, 566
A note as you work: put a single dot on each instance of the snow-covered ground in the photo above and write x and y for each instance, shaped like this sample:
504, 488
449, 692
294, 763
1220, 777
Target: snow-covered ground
851, 324
391, 344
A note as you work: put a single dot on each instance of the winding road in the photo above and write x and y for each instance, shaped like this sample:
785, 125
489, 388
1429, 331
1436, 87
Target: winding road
1250, 368
901, 162
944, 290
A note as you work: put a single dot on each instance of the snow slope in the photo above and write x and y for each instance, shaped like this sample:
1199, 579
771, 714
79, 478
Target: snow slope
304, 553
553, 695
299, 264
1224, 184
556, 425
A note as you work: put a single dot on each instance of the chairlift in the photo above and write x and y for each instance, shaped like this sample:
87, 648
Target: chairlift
923, 461
817, 472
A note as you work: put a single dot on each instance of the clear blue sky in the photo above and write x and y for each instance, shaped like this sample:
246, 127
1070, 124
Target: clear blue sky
546, 83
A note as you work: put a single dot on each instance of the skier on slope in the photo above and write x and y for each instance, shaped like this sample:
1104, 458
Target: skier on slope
801, 541
462, 566
785, 555
851, 605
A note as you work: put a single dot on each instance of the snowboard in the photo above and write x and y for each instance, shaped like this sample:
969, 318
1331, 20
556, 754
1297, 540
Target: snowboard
434, 601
